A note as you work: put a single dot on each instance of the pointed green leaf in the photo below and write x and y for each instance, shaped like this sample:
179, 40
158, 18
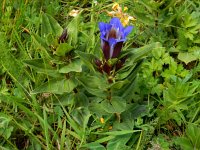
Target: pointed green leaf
72, 30
50, 26
87, 58
117, 133
74, 66
125, 71
118, 143
40, 42
95, 85
56, 86
119, 84
115, 105
42, 66
63, 49
137, 54
95, 146
81, 116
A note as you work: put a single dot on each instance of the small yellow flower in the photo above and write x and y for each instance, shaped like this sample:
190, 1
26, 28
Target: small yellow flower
125, 19
115, 6
117, 12
125, 8
74, 13
131, 18
111, 13
102, 120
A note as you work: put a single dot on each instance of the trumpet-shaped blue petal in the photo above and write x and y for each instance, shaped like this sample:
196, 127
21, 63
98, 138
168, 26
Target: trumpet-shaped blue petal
113, 34
115, 22
127, 30
104, 28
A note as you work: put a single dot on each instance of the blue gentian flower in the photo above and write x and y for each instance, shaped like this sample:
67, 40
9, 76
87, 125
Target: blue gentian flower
113, 35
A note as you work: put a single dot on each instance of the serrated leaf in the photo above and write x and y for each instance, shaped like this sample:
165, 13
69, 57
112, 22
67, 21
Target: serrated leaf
56, 86
187, 57
74, 66
189, 35
190, 22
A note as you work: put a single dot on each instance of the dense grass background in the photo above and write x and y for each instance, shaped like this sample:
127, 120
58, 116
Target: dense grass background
52, 96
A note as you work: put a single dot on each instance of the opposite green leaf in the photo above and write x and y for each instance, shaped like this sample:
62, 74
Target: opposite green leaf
95, 146
74, 66
50, 26
63, 49
42, 66
56, 86
87, 59
115, 105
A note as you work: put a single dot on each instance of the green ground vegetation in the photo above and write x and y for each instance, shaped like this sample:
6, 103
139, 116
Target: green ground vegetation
53, 97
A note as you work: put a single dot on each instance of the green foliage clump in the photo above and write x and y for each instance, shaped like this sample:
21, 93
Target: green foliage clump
52, 95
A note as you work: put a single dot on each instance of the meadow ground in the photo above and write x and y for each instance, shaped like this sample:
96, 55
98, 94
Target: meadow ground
99, 74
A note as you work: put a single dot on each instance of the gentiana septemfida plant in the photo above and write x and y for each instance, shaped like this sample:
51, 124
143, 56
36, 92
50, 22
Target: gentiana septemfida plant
89, 85
71, 68
72, 94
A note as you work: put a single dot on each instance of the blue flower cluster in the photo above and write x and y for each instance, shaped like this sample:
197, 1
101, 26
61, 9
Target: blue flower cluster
113, 35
